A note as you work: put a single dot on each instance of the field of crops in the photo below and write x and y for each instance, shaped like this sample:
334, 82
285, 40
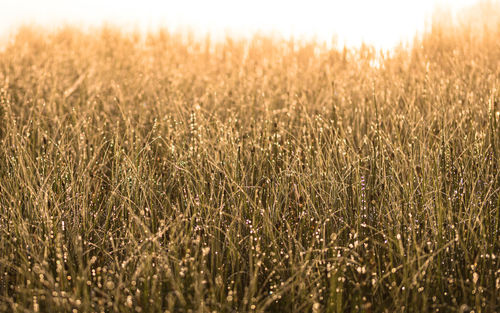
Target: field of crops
168, 173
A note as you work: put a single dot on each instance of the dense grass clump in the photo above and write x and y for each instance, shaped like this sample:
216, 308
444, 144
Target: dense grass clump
161, 173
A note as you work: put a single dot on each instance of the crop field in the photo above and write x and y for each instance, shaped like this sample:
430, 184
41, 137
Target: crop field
163, 172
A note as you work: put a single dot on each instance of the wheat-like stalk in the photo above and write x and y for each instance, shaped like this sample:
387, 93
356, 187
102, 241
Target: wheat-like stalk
3, 102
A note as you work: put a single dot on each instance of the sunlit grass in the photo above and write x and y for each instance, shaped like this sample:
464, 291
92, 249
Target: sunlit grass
159, 173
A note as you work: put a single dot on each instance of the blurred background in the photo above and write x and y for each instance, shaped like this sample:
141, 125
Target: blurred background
382, 23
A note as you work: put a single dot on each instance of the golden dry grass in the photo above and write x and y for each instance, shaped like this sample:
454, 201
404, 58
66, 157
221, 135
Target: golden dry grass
155, 173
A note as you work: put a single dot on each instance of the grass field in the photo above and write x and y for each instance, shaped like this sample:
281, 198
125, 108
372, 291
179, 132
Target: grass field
163, 173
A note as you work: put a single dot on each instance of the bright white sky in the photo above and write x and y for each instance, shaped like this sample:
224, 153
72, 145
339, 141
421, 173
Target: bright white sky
379, 22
